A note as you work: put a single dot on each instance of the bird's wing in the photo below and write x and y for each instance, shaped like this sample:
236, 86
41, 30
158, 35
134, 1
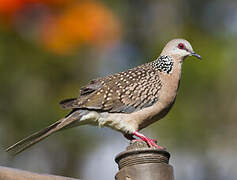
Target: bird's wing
124, 92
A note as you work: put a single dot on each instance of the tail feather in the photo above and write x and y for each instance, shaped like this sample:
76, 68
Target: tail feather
32, 139
42, 134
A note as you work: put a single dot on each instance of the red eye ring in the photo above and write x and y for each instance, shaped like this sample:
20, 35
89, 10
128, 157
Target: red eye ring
181, 46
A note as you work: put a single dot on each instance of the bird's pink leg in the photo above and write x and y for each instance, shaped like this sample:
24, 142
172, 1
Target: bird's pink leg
150, 142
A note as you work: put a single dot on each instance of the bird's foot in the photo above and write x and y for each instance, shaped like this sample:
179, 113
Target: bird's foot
150, 142
140, 140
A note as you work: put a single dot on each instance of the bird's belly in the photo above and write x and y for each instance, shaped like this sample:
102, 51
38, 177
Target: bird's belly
117, 121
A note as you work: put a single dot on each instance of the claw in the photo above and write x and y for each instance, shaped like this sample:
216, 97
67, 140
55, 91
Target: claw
140, 140
150, 142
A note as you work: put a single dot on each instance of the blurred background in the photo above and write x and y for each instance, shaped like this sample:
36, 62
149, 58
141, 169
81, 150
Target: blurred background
51, 48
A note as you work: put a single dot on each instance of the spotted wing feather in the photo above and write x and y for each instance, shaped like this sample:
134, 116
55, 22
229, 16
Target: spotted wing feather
124, 92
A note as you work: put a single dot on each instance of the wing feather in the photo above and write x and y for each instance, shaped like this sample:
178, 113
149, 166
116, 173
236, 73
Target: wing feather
124, 92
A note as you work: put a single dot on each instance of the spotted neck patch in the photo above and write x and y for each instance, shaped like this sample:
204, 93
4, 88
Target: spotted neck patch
164, 64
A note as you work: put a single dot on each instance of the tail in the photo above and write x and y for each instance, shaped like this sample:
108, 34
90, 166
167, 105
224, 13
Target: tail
29, 141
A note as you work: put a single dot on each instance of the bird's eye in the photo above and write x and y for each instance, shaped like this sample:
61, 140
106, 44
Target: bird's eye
181, 46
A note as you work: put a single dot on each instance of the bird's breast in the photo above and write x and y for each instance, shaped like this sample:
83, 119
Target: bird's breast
167, 95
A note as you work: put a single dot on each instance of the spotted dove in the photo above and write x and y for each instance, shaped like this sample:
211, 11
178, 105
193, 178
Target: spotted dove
127, 101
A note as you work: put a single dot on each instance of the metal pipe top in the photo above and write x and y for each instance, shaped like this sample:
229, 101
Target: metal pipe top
138, 152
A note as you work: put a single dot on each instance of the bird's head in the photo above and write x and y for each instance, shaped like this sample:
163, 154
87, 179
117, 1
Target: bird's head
180, 49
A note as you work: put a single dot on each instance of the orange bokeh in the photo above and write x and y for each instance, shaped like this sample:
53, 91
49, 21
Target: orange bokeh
68, 23
87, 22
9, 7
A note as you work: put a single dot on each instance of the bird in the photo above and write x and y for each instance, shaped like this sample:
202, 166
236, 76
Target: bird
127, 101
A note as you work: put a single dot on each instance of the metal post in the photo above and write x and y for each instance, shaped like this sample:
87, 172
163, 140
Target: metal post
139, 162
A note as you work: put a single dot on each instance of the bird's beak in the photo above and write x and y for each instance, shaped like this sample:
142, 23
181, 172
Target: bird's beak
196, 55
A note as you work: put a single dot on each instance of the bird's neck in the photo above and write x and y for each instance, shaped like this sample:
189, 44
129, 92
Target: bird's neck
177, 65
167, 64
164, 64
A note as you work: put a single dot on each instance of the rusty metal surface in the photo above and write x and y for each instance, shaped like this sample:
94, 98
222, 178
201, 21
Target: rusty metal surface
16, 174
156, 171
139, 162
